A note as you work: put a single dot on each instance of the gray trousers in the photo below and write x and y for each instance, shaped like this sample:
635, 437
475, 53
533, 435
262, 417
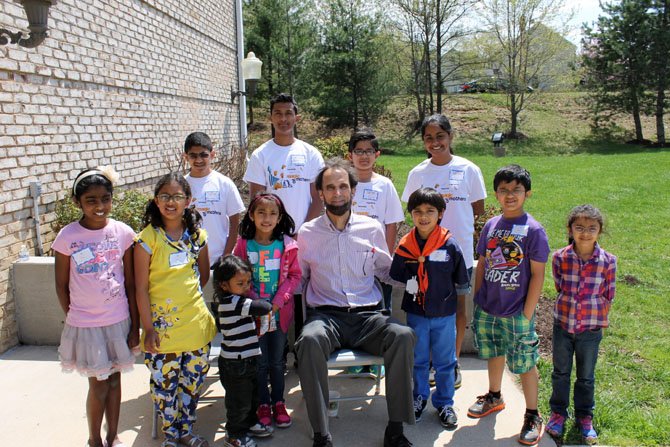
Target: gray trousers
378, 334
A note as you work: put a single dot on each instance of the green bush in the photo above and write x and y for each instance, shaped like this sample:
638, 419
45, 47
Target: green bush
127, 207
333, 147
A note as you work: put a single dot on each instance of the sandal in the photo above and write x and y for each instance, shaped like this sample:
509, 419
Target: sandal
192, 440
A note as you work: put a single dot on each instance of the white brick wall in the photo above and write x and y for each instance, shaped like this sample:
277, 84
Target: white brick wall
118, 82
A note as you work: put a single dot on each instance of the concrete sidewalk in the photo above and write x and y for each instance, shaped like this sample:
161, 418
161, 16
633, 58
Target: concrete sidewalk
41, 406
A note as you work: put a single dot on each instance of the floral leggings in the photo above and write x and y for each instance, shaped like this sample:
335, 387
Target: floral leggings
176, 382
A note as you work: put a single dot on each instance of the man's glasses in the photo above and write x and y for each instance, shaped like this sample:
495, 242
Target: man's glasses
165, 198
363, 151
195, 155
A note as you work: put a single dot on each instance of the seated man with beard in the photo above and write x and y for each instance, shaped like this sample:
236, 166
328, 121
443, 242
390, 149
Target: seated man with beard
340, 254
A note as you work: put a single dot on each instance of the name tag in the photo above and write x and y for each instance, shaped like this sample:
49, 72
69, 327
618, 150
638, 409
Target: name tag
272, 264
212, 196
520, 230
439, 256
456, 175
370, 194
83, 256
298, 160
179, 258
412, 286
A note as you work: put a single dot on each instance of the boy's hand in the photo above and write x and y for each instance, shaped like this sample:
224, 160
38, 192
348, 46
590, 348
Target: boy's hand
275, 308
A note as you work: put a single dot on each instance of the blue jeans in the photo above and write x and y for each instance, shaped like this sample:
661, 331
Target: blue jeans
436, 339
584, 347
271, 363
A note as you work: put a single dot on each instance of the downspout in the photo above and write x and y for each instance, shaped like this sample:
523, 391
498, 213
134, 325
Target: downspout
240, 79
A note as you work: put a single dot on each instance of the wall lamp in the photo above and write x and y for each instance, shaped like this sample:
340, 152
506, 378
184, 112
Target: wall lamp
251, 73
37, 12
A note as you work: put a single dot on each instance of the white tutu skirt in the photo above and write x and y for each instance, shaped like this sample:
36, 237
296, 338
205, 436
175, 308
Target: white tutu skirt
96, 351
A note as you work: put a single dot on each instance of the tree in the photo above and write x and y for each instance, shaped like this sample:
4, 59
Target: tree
279, 32
659, 19
617, 59
350, 69
518, 27
433, 29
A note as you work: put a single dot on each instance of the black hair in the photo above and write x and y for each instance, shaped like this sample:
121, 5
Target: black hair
444, 124
192, 219
283, 97
285, 224
226, 267
426, 196
97, 179
337, 163
363, 134
512, 173
198, 139
586, 212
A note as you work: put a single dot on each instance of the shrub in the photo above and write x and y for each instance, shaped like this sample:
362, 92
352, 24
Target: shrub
333, 147
127, 207
489, 212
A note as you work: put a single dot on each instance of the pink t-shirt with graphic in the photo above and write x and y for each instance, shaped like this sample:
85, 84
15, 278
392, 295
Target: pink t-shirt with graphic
97, 285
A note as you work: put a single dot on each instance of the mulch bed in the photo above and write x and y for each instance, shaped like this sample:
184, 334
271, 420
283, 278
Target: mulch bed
544, 322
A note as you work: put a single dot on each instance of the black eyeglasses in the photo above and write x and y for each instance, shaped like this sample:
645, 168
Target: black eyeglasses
195, 155
165, 198
363, 151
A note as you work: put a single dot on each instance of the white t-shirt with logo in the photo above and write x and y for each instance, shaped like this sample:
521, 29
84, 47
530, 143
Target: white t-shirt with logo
286, 171
216, 197
461, 183
378, 199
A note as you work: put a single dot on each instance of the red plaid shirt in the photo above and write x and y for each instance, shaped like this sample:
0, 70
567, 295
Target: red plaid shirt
585, 289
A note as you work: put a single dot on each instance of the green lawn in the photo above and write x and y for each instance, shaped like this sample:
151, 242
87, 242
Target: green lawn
570, 165
631, 188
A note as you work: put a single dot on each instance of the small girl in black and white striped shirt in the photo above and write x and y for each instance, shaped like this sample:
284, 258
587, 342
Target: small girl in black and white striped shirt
238, 361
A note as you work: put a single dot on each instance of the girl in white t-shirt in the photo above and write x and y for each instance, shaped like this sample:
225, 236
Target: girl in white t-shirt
95, 287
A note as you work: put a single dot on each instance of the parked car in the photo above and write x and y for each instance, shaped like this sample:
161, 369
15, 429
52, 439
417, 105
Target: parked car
487, 85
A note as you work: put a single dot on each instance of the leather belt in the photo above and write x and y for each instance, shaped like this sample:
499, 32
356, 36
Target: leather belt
357, 309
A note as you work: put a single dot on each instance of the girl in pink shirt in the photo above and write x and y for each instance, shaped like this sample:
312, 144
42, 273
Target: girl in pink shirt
95, 287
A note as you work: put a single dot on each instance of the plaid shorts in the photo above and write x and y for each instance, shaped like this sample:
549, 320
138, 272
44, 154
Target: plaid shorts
514, 337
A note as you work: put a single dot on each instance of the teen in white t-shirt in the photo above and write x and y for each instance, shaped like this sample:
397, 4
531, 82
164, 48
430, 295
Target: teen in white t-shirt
214, 195
462, 186
285, 165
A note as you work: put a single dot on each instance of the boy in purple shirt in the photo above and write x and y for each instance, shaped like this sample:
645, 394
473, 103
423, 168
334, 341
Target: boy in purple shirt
513, 251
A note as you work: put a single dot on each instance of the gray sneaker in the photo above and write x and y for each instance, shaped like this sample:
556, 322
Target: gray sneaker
531, 432
260, 431
486, 405
448, 417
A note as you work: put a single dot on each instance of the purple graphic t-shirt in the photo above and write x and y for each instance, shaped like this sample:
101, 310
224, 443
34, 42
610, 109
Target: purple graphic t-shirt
506, 247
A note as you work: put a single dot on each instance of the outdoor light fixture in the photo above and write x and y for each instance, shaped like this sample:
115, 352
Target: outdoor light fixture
251, 73
37, 12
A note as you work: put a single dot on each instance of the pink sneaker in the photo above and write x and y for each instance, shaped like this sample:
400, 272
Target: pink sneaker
282, 419
264, 414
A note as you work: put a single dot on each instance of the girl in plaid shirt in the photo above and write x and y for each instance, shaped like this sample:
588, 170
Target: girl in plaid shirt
584, 275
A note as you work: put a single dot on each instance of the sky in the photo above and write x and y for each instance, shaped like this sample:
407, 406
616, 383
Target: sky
584, 11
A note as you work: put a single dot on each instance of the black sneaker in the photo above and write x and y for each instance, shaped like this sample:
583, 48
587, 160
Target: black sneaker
419, 406
448, 417
531, 432
322, 441
396, 441
458, 378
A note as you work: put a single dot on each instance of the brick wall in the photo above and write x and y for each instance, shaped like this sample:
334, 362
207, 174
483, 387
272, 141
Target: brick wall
117, 82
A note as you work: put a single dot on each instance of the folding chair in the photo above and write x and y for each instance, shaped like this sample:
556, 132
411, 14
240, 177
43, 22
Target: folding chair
345, 358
